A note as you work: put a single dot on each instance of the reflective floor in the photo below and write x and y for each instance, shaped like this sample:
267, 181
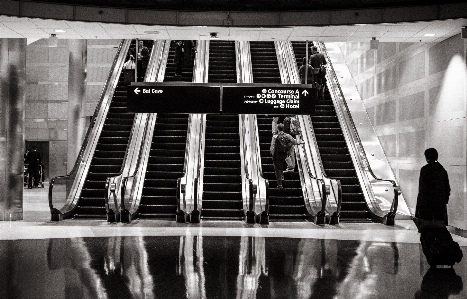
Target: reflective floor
163, 259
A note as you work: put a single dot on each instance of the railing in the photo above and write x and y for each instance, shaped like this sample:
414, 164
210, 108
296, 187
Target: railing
69, 186
320, 192
366, 175
255, 186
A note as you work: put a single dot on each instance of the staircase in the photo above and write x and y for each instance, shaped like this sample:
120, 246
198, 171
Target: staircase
167, 154
108, 156
335, 155
287, 203
222, 186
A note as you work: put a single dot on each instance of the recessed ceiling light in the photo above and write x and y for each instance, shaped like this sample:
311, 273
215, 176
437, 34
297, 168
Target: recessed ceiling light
59, 30
151, 32
429, 34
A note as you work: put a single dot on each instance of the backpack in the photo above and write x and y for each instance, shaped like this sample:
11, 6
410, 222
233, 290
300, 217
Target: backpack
282, 144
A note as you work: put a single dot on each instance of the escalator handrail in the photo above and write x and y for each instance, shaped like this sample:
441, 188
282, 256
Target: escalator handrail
336, 193
133, 148
245, 75
362, 157
290, 75
93, 131
247, 199
200, 75
155, 71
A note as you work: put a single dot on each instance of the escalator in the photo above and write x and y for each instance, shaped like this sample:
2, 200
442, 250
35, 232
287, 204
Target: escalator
287, 203
222, 185
167, 154
108, 156
335, 155
187, 66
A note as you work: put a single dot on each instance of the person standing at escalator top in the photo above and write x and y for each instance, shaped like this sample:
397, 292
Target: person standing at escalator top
318, 62
302, 71
143, 59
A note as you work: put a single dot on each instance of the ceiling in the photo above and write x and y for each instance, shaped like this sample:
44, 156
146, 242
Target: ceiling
34, 29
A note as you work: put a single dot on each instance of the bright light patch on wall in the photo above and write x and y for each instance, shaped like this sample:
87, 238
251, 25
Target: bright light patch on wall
448, 105
60, 30
429, 34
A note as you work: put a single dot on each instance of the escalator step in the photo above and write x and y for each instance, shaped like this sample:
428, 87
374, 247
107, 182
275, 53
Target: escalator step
222, 204
224, 214
159, 200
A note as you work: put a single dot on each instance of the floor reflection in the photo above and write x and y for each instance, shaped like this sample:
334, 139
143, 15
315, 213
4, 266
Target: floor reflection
195, 266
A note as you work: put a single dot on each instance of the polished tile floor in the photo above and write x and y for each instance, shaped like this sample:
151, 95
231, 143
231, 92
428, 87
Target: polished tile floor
163, 259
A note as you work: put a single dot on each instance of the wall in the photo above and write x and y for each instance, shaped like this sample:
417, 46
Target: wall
415, 96
12, 101
46, 116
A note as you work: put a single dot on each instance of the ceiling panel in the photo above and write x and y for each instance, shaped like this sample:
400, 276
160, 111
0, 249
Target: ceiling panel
307, 31
26, 27
52, 24
18, 26
243, 34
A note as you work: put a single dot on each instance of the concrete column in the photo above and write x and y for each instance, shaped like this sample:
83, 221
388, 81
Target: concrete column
12, 105
76, 98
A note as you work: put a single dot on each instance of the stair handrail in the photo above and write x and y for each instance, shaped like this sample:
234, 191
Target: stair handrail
355, 143
259, 183
83, 160
311, 176
132, 182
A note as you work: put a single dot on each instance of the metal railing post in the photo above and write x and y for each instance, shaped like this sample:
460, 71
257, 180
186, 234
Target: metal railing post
195, 214
250, 214
321, 215
180, 215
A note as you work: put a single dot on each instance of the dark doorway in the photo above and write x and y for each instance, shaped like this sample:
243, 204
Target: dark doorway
43, 149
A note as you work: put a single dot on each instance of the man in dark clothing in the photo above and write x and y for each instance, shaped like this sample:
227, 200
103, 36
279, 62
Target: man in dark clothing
33, 159
433, 189
304, 73
278, 155
143, 59
317, 62
183, 54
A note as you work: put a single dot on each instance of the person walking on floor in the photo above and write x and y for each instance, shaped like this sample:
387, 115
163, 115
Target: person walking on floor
34, 161
433, 189
280, 146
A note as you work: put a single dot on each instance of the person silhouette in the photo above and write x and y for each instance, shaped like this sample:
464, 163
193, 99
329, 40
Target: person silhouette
439, 284
433, 189
34, 161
